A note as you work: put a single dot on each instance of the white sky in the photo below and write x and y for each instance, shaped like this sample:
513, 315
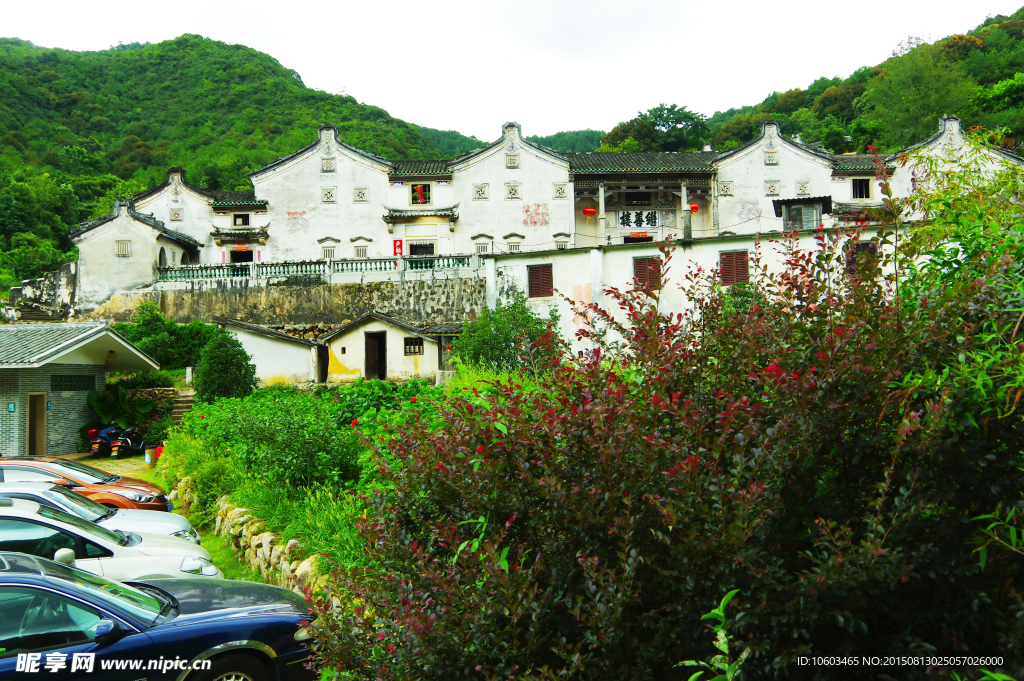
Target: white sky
551, 65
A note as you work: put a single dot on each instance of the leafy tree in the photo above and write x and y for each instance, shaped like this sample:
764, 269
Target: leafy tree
225, 369
498, 336
838, 101
640, 131
678, 129
788, 102
571, 141
917, 86
125, 189
172, 345
451, 143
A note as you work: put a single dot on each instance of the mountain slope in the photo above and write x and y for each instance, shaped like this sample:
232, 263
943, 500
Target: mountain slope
978, 76
218, 110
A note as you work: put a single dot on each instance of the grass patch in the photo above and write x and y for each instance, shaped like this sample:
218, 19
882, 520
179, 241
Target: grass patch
225, 558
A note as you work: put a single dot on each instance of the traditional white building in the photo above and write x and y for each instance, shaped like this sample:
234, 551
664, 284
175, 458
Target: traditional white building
339, 215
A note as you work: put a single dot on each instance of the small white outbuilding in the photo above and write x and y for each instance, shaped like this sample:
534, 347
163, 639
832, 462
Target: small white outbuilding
388, 348
278, 357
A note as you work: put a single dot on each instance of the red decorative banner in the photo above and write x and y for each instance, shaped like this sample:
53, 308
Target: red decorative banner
398, 246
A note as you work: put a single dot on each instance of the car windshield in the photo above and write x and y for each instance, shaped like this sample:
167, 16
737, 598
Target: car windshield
80, 505
131, 599
83, 525
81, 471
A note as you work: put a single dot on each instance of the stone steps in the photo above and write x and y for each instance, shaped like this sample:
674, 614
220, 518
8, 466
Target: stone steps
182, 405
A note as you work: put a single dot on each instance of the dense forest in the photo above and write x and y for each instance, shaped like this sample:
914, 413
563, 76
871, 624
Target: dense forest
80, 129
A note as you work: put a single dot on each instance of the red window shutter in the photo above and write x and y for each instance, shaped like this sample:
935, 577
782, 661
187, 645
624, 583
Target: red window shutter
860, 251
733, 267
727, 268
646, 272
541, 283
742, 268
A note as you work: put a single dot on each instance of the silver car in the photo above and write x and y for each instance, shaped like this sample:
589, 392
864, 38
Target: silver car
127, 520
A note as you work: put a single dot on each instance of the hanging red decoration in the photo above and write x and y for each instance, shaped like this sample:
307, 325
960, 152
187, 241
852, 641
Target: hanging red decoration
694, 208
589, 211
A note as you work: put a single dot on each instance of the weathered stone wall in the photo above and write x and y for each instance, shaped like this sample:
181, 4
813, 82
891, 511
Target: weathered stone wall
54, 290
295, 302
284, 564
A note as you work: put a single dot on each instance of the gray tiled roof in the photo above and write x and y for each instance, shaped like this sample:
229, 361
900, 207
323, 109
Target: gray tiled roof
856, 162
32, 344
315, 144
641, 161
420, 328
263, 330
228, 197
439, 167
145, 218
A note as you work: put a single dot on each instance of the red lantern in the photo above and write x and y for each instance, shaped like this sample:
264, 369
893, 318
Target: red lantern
694, 208
589, 211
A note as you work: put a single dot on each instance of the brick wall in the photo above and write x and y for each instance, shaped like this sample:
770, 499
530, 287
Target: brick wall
68, 410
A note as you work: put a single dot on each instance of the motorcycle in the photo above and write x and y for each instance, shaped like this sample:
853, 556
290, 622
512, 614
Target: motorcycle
126, 442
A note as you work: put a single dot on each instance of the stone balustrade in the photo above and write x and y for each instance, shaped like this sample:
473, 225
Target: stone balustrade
265, 270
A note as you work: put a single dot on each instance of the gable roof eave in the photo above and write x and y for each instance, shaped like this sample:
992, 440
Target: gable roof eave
487, 148
314, 145
261, 330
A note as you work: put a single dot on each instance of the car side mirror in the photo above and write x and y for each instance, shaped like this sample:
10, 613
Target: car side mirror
66, 556
106, 630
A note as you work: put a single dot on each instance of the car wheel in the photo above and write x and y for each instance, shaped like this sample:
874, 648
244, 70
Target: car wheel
233, 668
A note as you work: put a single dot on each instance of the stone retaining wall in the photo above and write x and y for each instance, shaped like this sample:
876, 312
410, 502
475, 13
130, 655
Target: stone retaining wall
278, 562
157, 394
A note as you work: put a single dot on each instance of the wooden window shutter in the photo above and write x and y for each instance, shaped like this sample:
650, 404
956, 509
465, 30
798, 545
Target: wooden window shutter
733, 267
860, 251
646, 272
540, 281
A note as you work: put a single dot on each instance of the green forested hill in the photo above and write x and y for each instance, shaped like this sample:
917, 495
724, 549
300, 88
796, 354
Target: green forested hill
978, 76
80, 128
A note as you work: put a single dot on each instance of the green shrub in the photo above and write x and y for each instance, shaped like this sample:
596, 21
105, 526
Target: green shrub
320, 517
172, 345
224, 370
144, 379
114, 406
820, 448
213, 475
498, 336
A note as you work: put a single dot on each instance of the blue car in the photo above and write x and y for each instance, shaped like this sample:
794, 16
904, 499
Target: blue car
60, 622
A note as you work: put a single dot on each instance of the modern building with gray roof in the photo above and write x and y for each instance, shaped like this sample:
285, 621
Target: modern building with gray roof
46, 373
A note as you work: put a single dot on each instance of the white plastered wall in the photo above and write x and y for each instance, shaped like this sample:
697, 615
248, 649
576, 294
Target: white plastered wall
278, 361
351, 364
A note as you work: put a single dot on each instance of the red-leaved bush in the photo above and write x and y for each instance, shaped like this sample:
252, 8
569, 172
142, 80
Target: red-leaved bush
807, 443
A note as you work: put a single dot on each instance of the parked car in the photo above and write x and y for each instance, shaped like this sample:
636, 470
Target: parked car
110, 490
30, 527
241, 630
129, 520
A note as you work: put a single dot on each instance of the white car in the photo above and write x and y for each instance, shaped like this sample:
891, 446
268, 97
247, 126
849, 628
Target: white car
30, 527
127, 519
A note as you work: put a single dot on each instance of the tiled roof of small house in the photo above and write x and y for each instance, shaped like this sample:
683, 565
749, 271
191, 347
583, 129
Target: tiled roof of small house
641, 161
29, 344
419, 328
856, 162
438, 167
145, 218
263, 331
235, 197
